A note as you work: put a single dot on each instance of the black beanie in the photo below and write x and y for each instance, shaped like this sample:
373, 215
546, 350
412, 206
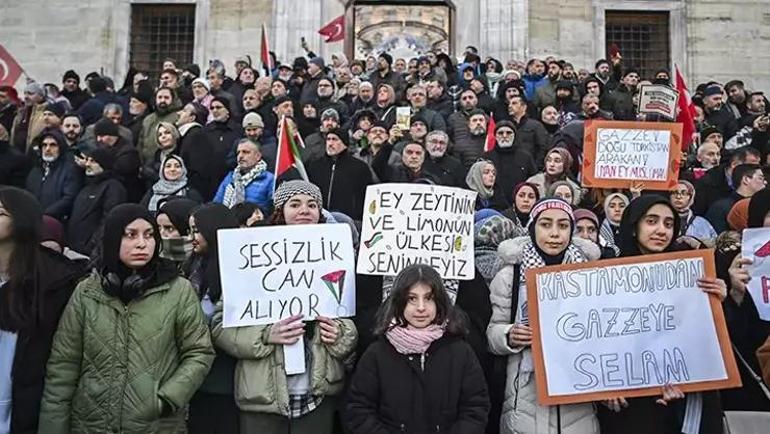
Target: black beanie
342, 133
759, 206
104, 157
71, 74
56, 108
222, 101
144, 93
105, 127
388, 58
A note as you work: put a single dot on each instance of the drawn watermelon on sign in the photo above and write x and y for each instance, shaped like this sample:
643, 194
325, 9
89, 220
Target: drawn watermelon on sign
763, 251
335, 282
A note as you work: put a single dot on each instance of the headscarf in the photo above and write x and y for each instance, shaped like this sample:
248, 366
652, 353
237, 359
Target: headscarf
611, 231
566, 157
738, 217
164, 188
552, 190
687, 215
178, 211
631, 217
514, 213
537, 210
209, 218
475, 182
759, 207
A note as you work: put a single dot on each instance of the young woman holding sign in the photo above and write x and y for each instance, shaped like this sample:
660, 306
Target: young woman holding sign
550, 242
270, 400
132, 345
650, 225
420, 375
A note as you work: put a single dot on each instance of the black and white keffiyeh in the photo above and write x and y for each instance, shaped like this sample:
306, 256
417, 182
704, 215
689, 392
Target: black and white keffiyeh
235, 192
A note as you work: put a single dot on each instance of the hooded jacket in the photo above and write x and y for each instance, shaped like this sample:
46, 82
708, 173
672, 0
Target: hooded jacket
343, 180
521, 413
100, 194
195, 150
57, 189
514, 165
148, 140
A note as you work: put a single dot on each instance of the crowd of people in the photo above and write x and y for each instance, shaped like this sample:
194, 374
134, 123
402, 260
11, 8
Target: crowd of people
111, 199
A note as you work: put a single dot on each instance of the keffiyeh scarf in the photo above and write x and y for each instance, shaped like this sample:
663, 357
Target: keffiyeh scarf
235, 192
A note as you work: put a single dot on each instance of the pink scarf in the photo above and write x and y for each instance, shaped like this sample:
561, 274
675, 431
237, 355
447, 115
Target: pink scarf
409, 340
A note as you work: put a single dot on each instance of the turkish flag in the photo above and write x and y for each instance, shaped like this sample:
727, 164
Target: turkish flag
335, 30
686, 111
10, 70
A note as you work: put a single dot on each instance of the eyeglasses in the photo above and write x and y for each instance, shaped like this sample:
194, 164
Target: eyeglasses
437, 142
324, 85
683, 193
504, 133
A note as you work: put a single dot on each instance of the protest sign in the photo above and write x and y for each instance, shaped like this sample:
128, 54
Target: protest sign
615, 154
626, 327
658, 99
270, 273
756, 246
416, 223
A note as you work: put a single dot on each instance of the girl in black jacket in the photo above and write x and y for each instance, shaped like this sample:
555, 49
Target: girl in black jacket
420, 376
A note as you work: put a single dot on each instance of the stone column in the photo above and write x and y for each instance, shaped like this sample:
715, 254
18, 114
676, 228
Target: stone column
293, 19
503, 29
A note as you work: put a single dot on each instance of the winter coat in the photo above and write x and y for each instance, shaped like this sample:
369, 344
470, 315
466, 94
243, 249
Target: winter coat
89, 137
448, 169
195, 150
148, 141
393, 392
457, 126
470, 149
7, 114
57, 277
77, 98
434, 120
621, 103
443, 105
56, 192
93, 109
126, 368
496, 202
710, 188
343, 180
545, 94
513, 166
221, 137
260, 375
259, 191
521, 413
724, 121
717, 212
97, 198
392, 78
14, 166
126, 169
532, 137
26, 129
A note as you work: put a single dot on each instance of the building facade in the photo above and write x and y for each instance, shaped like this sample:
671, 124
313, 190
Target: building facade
708, 39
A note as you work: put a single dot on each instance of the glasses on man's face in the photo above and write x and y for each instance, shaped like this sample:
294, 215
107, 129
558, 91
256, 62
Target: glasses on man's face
681, 193
437, 142
504, 133
324, 85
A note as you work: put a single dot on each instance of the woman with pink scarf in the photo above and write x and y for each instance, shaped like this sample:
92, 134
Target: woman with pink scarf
420, 375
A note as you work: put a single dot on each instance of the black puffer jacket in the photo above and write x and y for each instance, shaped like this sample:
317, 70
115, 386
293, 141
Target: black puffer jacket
343, 180
56, 279
100, 194
56, 191
392, 392
513, 166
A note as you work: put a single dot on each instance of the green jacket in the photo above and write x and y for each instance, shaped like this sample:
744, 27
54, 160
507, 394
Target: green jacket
112, 365
260, 376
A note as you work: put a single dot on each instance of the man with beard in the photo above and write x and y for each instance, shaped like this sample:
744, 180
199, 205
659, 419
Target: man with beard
315, 144
385, 74
418, 98
326, 99
315, 72
736, 96
608, 73
9, 102
717, 113
546, 93
126, 158
250, 181
447, 168
138, 109
166, 107
29, 120
55, 180
469, 149
513, 164
411, 168
71, 128
113, 112
195, 150
565, 98
531, 136
72, 91
170, 78
438, 99
365, 98
457, 124
376, 137
589, 109
621, 100
222, 133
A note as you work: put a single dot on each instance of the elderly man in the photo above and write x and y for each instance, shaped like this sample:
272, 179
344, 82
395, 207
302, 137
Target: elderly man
250, 181
29, 120
449, 169
411, 168
471, 147
222, 133
113, 112
55, 180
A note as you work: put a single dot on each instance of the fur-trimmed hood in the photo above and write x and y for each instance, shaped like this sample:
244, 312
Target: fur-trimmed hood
510, 251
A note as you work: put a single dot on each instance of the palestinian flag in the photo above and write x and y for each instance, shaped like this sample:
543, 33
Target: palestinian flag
288, 150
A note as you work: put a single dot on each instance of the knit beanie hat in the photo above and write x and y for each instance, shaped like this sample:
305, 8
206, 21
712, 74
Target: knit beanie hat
330, 113
253, 120
388, 58
551, 203
203, 82
288, 189
144, 93
106, 127
318, 61
56, 108
104, 157
585, 214
71, 74
342, 133
224, 101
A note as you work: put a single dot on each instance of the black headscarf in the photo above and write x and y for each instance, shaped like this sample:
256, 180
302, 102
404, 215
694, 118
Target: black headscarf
535, 215
633, 213
154, 273
178, 211
759, 207
208, 219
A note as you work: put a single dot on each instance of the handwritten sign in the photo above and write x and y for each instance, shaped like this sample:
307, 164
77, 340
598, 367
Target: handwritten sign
619, 153
756, 246
658, 99
414, 223
270, 273
626, 327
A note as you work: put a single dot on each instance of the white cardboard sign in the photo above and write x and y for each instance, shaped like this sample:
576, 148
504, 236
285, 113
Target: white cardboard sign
756, 246
271, 273
415, 223
659, 99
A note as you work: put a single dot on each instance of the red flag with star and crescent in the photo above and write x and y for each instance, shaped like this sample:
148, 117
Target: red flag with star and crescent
288, 150
686, 111
335, 30
10, 70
